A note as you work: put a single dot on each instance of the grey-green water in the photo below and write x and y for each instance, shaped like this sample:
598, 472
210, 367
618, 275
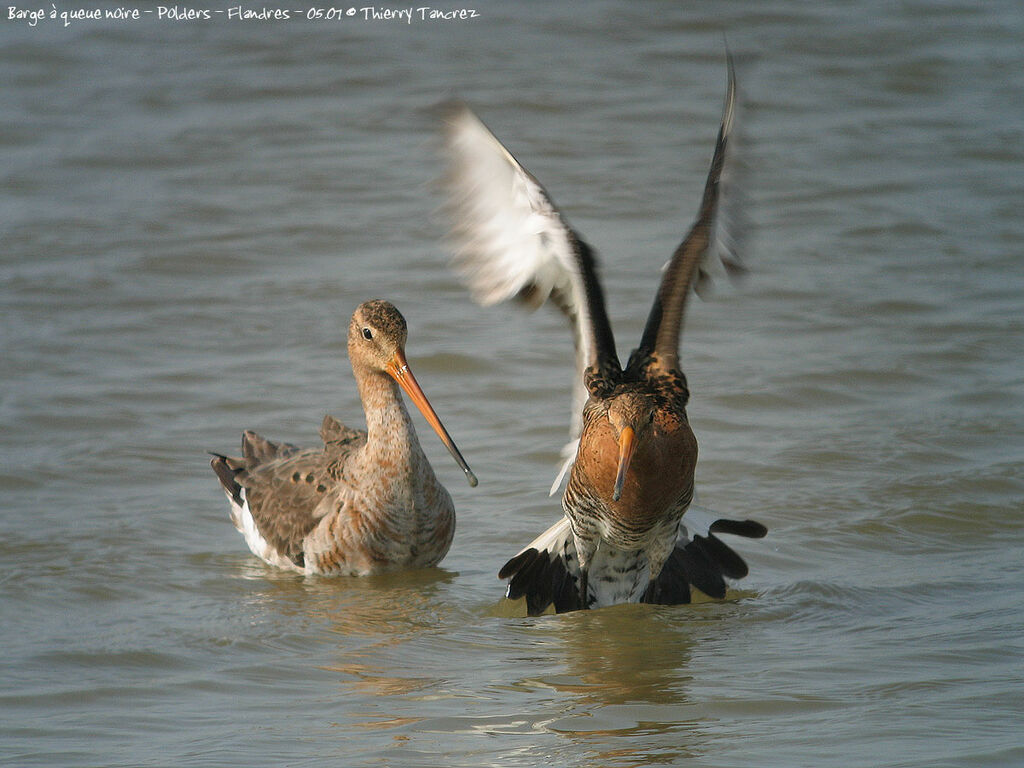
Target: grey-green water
190, 212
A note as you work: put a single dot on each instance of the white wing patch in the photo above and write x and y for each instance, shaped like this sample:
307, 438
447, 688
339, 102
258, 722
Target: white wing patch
509, 236
553, 539
509, 239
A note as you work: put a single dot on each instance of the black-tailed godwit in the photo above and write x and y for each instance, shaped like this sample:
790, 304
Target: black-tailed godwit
368, 501
624, 536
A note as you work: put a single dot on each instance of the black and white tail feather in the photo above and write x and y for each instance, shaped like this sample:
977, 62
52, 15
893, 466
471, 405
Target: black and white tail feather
228, 471
235, 473
547, 571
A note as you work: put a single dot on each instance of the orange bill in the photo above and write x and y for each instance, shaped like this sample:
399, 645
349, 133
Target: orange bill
399, 370
627, 445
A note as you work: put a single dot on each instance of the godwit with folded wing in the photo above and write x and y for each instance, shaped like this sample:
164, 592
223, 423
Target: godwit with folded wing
368, 501
624, 537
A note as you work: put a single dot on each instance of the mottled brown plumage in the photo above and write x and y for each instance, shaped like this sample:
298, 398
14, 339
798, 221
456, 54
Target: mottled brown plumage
368, 501
631, 478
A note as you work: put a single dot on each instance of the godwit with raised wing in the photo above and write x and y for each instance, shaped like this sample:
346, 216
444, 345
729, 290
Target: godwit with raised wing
624, 537
368, 501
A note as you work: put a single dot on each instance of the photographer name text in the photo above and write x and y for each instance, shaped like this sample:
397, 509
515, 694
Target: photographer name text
177, 13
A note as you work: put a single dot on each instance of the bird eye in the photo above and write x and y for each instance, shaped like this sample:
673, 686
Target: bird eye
366, 334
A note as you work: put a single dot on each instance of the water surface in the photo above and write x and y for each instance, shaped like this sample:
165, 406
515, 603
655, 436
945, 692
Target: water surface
191, 211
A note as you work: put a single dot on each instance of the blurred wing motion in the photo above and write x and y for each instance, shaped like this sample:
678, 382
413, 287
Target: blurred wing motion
512, 242
649, 544
687, 269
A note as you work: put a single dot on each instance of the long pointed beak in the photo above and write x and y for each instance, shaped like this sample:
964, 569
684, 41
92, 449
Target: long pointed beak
399, 370
627, 445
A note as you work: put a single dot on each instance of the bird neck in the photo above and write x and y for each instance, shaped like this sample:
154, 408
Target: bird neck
387, 420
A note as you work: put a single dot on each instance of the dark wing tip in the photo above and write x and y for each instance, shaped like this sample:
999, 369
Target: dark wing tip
750, 529
516, 563
226, 474
543, 579
702, 568
672, 587
685, 270
705, 562
731, 564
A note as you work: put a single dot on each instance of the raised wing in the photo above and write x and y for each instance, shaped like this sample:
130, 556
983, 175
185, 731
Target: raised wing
512, 242
659, 345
